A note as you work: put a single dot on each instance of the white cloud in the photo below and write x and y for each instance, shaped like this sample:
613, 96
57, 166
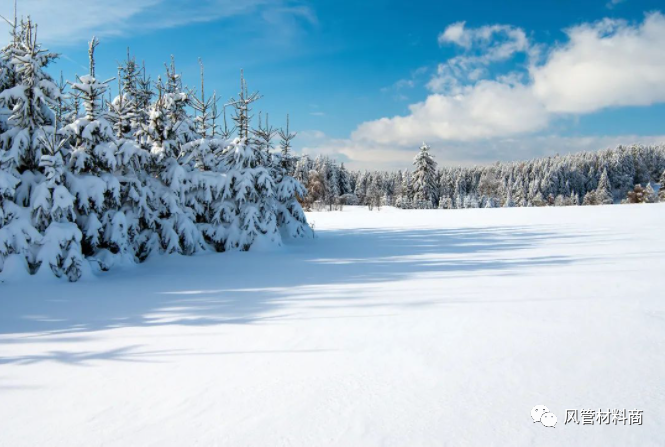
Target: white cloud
482, 47
603, 64
455, 33
73, 21
613, 3
498, 42
486, 109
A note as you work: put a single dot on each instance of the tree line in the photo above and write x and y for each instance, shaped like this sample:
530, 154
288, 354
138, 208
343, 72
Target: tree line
89, 182
625, 174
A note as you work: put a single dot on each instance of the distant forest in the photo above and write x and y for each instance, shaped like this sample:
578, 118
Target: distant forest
626, 174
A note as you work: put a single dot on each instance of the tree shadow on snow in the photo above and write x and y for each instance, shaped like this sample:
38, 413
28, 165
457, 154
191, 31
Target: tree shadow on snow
254, 288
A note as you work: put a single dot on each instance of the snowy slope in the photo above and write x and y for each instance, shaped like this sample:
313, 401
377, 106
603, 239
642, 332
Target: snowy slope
393, 328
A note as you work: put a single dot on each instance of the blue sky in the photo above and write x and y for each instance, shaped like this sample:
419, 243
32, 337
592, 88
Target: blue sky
486, 82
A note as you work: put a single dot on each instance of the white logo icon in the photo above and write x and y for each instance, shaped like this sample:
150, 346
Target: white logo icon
540, 413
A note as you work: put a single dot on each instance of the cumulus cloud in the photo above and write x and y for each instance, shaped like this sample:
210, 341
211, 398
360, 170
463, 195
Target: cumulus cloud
484, 110
498, 42
603, 64
482, 46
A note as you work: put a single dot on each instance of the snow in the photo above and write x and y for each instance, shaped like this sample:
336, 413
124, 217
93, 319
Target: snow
392, 328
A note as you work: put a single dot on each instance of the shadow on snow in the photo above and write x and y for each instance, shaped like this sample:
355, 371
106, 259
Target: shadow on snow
251, 288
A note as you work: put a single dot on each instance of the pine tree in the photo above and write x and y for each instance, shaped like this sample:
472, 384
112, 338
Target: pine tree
168, 130
374, 194
54, 214
424, 179
206, 108
252, 185
289, 191
30, 101
132, 175
331, 182
650, 195
661, 190
143, 103
590, 199
361, 187
406, 201
604, 191
508, 203
122, 113
302, 168
29, 96
92, 179
344, 181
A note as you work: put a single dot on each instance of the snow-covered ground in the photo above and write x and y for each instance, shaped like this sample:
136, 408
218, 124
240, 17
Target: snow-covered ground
393, 328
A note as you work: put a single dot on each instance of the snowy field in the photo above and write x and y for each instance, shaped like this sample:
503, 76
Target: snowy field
393, 328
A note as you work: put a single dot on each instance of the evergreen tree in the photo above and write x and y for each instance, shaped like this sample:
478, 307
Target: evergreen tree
54, 214
290, 216
344, 181
252, 185
424, 179
287, 160
30, 101
407, 191
206, 108
132, 175
168, 131
29, 96
92, 178
649, 194
604, 191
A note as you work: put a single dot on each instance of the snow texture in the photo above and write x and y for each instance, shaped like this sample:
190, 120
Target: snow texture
392, 328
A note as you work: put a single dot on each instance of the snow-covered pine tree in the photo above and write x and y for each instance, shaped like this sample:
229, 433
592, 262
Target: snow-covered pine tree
406, 198
130, 175
589, 198
361, 186
121, 112
251, 183
603, 193
264, 135
168, 130
344, 181
332, 182
374, 193
92, 179
290, 216
28, 97
287, 160
661, 190
128, 79
650, 194
143, 101
54, 214
132, 162
508, 203
424, 179
302, 168
206, 108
